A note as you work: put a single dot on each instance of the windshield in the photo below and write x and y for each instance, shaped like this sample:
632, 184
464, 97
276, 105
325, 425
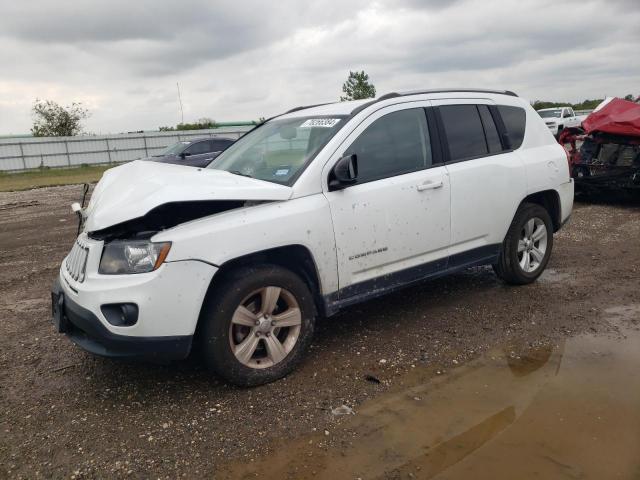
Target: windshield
550, 113
174, 149
280, 149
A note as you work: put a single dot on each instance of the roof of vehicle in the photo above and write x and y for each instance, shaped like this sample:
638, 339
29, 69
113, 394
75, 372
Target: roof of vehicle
355, 106
199, 139
552, 108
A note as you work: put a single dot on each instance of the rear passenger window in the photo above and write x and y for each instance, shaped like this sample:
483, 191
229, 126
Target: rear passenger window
392, 145
514, 119
464, 131
490, 130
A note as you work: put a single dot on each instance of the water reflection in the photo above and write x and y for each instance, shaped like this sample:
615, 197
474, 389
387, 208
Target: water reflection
548, 412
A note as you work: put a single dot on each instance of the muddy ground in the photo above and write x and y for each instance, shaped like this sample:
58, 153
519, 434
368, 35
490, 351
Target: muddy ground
64, 413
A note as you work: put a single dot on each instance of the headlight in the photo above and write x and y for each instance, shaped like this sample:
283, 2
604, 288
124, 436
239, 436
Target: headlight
132, 256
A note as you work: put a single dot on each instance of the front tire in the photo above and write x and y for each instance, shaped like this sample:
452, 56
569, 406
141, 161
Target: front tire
257, 326
527, 246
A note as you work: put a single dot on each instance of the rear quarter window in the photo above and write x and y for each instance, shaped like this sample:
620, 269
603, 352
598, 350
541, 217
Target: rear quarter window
514, 119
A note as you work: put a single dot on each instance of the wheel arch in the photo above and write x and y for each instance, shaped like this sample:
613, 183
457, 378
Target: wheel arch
550, 201
296, 258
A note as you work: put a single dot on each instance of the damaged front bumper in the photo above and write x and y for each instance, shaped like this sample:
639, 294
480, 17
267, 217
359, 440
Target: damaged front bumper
166, 303
85, 330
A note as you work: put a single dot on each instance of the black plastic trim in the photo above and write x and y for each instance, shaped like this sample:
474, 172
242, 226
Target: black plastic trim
376, 287
505, 140
85, 330
435, 137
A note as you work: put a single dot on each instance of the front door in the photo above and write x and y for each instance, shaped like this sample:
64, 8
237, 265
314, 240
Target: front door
392, 226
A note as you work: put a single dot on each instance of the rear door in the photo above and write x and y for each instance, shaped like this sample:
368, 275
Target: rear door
392, 226
487, 178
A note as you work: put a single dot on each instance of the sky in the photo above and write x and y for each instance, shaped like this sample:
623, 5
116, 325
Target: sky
245, 59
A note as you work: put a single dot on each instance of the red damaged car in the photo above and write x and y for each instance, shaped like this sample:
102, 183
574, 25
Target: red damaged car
608, 155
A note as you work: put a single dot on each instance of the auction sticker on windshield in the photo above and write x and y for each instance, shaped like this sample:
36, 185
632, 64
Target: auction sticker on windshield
320, 122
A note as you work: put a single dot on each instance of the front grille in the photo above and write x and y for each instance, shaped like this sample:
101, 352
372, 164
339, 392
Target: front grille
76, 261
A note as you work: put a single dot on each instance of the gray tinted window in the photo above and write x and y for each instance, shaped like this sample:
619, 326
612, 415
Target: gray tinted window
514, 119
198, 148
392, 145
465, 135
490, 130
218, 145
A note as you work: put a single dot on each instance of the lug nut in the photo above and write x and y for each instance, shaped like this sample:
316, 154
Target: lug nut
257, 322
268, 334
257, 334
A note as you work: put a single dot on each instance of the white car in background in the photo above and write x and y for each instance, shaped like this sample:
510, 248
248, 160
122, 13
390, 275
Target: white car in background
559, 118
313, 211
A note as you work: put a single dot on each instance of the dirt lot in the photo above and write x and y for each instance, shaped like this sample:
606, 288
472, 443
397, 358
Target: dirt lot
64, 413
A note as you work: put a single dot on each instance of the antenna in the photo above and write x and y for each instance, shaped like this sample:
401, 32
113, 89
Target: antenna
180, 102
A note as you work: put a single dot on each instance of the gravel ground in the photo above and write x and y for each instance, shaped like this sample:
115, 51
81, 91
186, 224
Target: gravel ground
65, 413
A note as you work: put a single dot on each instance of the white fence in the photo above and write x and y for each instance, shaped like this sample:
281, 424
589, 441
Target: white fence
27, 153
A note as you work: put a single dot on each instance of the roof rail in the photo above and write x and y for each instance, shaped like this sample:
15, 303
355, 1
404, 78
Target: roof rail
435, 90
304, 107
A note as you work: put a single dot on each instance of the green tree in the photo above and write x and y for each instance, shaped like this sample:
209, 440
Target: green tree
629, 97
357, 87
199, 124
584, 105
53, 120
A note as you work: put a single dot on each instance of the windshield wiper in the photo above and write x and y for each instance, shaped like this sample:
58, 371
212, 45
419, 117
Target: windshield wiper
237, 172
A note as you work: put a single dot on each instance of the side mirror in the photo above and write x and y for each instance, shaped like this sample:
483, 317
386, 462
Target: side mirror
184, 154
344, 173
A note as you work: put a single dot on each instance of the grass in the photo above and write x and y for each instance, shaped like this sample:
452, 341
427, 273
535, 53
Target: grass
48, 177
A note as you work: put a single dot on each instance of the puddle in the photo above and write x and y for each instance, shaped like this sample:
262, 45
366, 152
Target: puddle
565, 411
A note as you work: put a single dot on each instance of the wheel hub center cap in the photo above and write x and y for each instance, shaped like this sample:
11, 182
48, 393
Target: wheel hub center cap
264, 325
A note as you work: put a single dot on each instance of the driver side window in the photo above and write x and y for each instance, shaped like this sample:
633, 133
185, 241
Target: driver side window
394, 144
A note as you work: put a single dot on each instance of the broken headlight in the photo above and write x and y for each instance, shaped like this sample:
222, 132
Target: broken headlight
132, 256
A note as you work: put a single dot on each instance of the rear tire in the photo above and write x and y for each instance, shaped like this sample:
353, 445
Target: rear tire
527, 246
257, 325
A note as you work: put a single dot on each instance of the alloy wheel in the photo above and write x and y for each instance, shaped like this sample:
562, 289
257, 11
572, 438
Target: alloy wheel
265, 327
532, 244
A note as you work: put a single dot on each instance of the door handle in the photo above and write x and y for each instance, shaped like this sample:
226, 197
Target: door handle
431, 185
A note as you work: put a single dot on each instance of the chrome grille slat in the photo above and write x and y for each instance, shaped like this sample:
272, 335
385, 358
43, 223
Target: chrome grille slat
76, 262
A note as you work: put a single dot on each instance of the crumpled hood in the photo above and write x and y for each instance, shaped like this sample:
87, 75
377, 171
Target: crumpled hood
132, 190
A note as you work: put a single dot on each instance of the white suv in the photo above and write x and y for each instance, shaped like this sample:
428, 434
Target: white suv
315, 210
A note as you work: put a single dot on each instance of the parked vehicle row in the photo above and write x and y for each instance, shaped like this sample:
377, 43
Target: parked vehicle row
315, 210
559, 118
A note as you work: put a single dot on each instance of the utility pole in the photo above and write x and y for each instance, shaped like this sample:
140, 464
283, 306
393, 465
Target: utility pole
180, 102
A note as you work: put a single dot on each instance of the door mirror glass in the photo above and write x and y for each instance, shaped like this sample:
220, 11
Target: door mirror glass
184, 154
344, 173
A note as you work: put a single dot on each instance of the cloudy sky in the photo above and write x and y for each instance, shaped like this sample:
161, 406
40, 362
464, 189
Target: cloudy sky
243, 59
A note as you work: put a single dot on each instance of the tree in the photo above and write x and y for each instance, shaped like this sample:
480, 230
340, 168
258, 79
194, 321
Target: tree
584, 105
199, 124
53, 120
357, 87
629, 97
